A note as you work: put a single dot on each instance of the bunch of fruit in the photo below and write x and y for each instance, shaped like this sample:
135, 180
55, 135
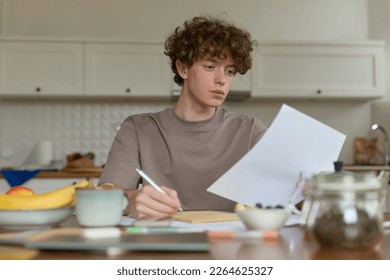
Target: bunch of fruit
23, 198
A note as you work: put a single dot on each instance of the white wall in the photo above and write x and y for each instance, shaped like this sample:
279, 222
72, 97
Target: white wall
379, 19
379, 12
153, 20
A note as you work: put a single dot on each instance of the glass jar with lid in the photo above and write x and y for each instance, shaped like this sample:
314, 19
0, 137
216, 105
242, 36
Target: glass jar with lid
346, 209
310, 190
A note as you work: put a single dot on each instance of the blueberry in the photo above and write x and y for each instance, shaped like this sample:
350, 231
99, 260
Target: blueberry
259, 205
279, 206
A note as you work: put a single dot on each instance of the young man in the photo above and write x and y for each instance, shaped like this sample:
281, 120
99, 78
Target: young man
187, 147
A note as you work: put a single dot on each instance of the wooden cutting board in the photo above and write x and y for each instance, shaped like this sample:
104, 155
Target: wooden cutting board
196, 217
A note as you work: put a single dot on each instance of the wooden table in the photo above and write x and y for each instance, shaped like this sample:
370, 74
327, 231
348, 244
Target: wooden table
293, 244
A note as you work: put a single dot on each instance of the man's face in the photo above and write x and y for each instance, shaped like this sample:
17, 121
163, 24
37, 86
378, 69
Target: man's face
208, 80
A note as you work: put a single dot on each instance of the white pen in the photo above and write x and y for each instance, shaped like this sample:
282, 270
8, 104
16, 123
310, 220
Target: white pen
152, 183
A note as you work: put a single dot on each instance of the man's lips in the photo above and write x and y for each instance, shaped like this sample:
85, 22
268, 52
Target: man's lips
218, 91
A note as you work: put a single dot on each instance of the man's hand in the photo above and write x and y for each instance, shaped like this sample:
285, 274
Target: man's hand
148, 202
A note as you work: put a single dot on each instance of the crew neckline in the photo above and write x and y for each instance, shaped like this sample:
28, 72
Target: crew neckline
196, 125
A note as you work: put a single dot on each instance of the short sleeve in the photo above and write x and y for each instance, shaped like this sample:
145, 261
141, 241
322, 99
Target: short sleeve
123, 158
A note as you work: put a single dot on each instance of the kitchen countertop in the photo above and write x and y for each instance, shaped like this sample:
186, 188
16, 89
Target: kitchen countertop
96, 172
73, 173
366, 168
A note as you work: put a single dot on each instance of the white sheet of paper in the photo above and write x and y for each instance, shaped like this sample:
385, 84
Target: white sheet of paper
268, 173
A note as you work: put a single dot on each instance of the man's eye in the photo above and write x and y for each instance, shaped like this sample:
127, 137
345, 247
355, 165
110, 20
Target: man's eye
209, 67
230, 72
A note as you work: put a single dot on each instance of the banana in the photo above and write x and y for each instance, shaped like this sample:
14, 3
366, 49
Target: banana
54, 199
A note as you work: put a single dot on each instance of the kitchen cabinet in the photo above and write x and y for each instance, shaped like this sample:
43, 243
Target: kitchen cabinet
41, 68
318, 70
127, 69
242, 83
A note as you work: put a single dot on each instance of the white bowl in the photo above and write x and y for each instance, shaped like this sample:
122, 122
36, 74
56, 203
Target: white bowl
264, 219
33, 218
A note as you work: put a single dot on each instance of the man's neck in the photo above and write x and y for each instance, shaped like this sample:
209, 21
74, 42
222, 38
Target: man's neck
190, 112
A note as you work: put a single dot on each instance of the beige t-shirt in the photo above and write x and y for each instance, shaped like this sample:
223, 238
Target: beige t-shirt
185, 156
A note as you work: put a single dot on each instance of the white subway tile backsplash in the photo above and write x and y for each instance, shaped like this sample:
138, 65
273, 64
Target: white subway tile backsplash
85, 126
71, 125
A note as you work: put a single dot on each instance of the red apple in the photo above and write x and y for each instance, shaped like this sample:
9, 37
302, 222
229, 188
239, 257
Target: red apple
20, 191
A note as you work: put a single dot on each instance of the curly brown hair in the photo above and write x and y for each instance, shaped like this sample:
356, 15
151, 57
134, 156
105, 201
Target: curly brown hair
206, 36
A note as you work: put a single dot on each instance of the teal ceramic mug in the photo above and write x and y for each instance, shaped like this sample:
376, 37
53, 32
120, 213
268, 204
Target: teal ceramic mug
100, 207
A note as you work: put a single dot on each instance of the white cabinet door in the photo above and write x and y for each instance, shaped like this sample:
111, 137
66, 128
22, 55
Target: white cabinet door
138, 70
242, 83
241, 87
319, 70
40, 68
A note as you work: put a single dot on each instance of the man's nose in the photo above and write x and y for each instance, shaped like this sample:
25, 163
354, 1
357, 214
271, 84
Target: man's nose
220, 77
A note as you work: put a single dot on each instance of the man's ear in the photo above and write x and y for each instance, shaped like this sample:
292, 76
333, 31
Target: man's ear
182, 69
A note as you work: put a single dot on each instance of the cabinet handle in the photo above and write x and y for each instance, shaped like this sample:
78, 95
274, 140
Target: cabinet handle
38, 89
319, 91
128, 90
